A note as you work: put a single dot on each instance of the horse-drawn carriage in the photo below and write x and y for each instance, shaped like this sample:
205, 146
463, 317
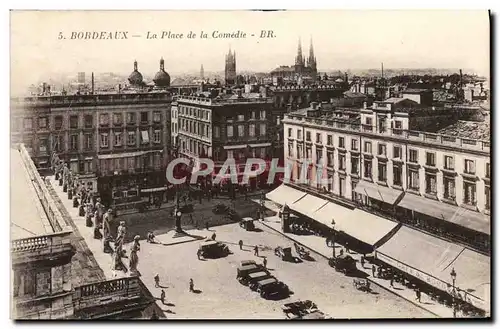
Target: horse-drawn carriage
303, 253
302, 309
361, 284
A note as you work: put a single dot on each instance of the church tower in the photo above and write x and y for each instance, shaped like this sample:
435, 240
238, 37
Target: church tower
202, 73
230, 69
299, 60
311, 61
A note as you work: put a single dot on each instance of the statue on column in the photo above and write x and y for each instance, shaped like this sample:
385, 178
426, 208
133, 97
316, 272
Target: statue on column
120, 237
134, 259
65, 172
89, 212
106, 231
99, 212
117, 263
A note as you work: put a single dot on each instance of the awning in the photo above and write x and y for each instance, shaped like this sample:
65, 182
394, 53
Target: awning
234, 147
378, 192
89, 158
260, 145
145, 136
431, 260
120, 155
284, 194
450, 213
308, 204
73, 160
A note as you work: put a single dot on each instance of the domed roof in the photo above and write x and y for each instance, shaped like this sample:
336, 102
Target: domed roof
162, 78
135, 78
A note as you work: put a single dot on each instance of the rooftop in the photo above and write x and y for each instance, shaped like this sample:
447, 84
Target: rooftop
27, 216
468, 129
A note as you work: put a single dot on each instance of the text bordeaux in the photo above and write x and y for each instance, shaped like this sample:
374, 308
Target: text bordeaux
99, 35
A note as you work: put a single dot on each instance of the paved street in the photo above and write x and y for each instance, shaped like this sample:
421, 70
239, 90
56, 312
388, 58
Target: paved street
222, 296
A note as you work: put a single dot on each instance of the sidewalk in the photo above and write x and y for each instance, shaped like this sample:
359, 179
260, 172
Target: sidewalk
318, 245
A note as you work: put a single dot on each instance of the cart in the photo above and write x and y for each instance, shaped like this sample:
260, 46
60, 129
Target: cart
302, 309
284, 253
303, 253
361, 284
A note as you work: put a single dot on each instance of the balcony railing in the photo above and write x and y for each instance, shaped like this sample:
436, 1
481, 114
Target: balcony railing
412, 135
215, 101
46, 242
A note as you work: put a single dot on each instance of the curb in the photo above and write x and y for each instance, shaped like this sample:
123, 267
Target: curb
181, 242
375, 283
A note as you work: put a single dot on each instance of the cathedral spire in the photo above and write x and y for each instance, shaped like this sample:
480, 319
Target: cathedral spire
299, 59
135, 65
162, 64
202, 72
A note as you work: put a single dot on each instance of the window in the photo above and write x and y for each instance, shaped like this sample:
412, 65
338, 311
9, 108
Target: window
42, 145
117, 119
487, 197
131, 118
217, 131
413, 182
73, 145
230, 131
241, 117
118, 139
230, 154
299, 134
318, 138
341, 142
42, 123
308, 153
470, 167
43, 281
131, 141
263, 152
157, 117
329, 159
157, 136
145, 136
382, 149
330, 183
449, 187
104, 119
354, 166
342, 187
342, 162
368, 147
104, 140
241, 130
367, 168
413, 156
382, 172
263, 129
449, 162
308, 136
58, 122
144, 117
262, 114
290, 150
329, 140
289, 132
89, 121
73, 122
87, 141
253, 115
28, 123
430, 184
397, 152
430, 159
319, 155
368, 121
487, 173
300, 152
398, 124
397, 173
251, 130
470, 193
354, 144
58, 143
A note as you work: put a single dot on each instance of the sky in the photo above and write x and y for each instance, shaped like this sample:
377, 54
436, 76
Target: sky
344, 39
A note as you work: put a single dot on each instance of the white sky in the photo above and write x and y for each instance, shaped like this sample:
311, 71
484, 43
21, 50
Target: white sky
342, 40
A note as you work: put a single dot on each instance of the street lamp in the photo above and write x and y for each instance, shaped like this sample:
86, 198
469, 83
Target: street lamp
285, 219
453, 275
333, 238
178, 214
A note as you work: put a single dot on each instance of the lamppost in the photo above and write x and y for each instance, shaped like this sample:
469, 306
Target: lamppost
333, 238
262, 206
178, 214
285, 219
453, 275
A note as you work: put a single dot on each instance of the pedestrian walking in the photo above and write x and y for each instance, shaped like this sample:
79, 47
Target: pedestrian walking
392, 282
207, 226
347, 248
419, 295
256, 251
157, 281
264, 262
362, 260
373, 270
241, 244
162, 296
191, 285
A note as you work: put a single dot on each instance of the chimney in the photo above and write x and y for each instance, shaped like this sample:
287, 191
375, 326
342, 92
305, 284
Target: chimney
92, 83
461, 78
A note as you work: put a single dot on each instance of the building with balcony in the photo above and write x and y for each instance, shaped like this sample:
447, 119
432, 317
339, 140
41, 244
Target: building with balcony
390, 158
233, 126
108, 140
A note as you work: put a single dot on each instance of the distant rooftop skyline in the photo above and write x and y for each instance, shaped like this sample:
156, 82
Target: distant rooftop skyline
342, 40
